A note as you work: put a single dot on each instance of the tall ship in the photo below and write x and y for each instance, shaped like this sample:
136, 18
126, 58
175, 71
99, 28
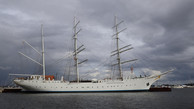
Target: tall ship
45, 83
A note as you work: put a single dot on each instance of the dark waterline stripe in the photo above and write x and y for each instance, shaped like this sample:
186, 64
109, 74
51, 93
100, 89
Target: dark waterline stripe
142, 90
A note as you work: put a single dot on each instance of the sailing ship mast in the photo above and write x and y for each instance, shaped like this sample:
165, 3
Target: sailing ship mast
77, 49
41, 53
119, 50
43, 57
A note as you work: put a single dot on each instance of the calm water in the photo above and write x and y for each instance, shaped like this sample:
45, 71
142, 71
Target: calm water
177, 99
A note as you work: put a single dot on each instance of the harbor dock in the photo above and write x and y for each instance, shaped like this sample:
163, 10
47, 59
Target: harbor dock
9, 89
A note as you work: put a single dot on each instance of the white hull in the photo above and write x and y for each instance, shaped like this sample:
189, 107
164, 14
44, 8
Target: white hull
137, 84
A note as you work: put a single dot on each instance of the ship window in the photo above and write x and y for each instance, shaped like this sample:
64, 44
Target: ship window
82, 87
61, 87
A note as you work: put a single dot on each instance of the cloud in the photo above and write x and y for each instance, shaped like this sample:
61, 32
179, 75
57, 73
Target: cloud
94, 74
151, 72
5, 68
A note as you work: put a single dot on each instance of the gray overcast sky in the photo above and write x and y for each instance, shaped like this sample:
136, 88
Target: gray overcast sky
161, 32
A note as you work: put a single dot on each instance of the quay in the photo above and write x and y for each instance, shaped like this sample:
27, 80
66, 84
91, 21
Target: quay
9, 89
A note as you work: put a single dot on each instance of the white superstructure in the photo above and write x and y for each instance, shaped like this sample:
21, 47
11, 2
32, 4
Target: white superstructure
39, 83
